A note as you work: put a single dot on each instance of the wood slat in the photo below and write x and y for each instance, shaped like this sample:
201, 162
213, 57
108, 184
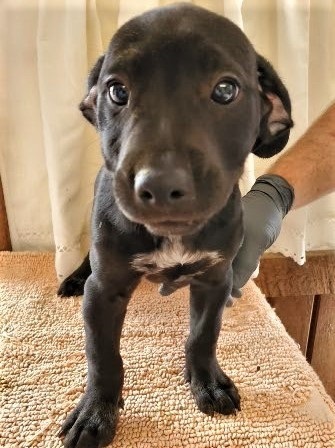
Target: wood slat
5, 243
281, 276
323, 354
295, 312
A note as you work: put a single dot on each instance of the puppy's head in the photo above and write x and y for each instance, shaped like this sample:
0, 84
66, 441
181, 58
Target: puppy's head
180, 99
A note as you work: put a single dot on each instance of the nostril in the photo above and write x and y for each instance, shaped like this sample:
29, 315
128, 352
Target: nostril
146, 195
131, 179
176, 194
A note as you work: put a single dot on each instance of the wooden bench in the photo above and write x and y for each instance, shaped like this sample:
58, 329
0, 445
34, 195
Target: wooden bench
303, 296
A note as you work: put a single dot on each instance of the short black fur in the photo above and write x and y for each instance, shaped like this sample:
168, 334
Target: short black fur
173, 158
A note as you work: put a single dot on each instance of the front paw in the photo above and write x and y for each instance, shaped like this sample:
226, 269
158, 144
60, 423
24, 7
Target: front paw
214, 391
92, 424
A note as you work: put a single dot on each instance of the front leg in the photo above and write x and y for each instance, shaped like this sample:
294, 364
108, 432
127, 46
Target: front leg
92, 424
212, 389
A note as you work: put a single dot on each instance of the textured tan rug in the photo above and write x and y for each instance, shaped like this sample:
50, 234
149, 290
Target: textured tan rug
43, 370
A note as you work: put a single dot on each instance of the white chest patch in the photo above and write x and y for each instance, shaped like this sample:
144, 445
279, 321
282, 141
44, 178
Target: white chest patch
173, 253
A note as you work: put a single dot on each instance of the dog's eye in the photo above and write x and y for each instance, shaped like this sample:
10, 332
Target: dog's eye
225, 92
119, 94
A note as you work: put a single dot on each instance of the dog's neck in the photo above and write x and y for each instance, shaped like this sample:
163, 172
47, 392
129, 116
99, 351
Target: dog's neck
173, 265
171, 253
174, 261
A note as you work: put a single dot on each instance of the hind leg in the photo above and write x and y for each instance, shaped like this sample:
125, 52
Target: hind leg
73, 285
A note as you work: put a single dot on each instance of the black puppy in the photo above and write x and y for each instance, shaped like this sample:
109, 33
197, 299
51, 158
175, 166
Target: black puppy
179, 100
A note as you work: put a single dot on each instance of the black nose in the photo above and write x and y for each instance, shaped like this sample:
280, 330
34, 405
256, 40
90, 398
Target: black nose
154, 187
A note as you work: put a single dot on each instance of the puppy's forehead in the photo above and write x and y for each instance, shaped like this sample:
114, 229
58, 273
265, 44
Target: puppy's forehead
180, 33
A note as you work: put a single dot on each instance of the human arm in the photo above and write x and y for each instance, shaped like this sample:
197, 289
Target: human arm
308, 170
309, 165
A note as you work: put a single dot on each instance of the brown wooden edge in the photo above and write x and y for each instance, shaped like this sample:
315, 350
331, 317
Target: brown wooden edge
296, 314
5, 243
304, 299
281, 276
322, 353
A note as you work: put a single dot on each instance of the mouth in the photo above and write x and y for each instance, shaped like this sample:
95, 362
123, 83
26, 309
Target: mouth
178, 228
166, 227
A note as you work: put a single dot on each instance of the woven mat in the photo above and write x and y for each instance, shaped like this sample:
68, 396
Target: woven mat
43, 370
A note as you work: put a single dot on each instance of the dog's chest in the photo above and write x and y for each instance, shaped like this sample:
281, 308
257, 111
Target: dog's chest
173, 265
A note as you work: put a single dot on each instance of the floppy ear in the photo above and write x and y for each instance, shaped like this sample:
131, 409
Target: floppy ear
276, 119
89, 103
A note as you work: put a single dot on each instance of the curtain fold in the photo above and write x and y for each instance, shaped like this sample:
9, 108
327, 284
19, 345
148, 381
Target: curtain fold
49, 155
61, 66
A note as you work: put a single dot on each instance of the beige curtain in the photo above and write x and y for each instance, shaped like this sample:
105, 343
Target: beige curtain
48, 154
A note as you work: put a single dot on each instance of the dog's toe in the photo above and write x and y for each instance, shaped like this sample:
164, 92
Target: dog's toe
216, 393
92, 424
216, 398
